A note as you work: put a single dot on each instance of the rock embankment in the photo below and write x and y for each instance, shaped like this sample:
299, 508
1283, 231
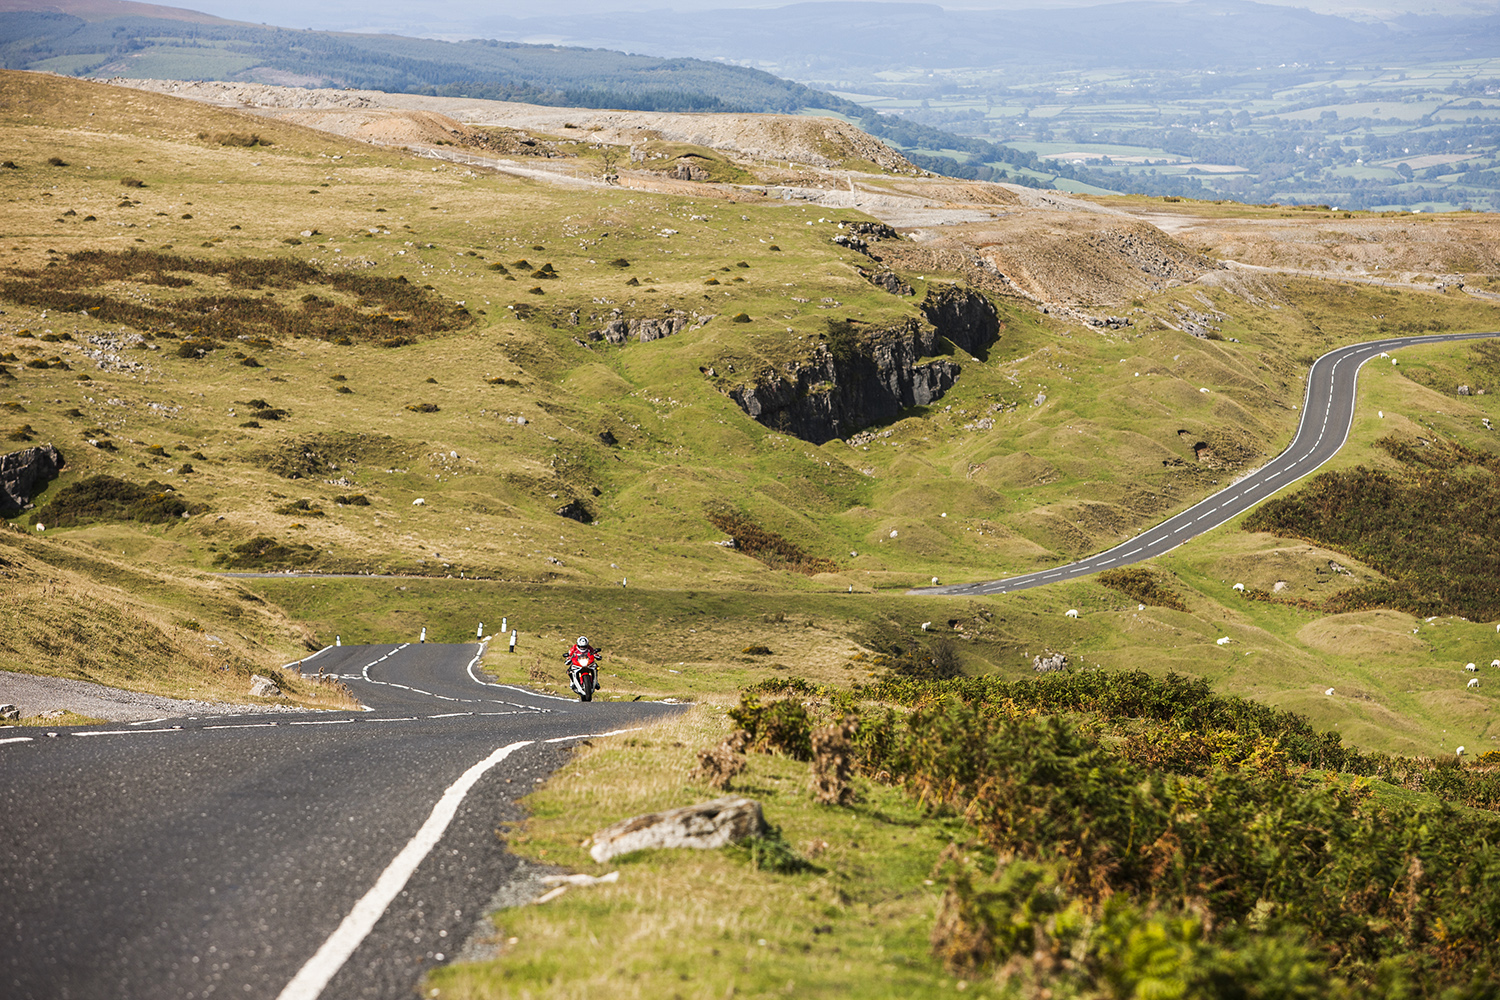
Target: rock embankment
846, 387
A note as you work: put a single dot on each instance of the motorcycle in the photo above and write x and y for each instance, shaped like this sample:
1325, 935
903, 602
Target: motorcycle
583, 673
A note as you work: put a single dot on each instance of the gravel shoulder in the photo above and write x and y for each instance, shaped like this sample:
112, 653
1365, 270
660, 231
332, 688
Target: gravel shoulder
34, 695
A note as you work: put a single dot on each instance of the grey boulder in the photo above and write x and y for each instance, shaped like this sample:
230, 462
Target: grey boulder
705, 826
263, 687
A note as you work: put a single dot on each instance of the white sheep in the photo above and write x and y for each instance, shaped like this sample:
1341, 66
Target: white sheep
1329, 692
418, 502
1071, 613
1473, 682
926, 626
1495, 663
1222, 642
934, 581
1470, 667
1239, 586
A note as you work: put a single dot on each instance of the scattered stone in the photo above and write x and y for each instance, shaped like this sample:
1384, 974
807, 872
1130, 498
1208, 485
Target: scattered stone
1463, 390
263, 687
1054, 664
706, 826
9, 713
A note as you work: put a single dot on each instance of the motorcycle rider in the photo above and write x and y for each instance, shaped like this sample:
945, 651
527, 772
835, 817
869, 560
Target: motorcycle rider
580, 650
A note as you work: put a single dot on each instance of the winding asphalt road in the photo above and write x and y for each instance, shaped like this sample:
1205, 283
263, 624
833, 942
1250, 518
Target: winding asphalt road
1327, 414
292, 856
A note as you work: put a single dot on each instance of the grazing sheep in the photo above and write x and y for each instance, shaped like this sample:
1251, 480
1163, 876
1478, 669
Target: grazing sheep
1239, 586
926, 626
1470, 667
418, 502
1222, 642
1495, 663
1329, 692
1071, 613
1473, 682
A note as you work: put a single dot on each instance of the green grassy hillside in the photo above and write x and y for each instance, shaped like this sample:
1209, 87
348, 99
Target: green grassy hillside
304, 337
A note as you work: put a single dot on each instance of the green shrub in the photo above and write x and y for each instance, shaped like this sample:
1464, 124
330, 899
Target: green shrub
105, 498
1142, 586
780, 726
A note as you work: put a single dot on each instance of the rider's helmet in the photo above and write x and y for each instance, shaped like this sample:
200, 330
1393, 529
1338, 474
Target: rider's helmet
583, 642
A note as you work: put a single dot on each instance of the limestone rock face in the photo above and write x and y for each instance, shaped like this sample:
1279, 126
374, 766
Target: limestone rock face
829, 396
23, 473
645, 330
705, 826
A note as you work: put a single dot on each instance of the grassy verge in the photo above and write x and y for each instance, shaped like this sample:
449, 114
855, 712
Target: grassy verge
710, 923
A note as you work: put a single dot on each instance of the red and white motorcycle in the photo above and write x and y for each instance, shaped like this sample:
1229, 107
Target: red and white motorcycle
583, 669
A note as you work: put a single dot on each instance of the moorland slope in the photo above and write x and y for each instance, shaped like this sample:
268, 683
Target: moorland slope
466, 384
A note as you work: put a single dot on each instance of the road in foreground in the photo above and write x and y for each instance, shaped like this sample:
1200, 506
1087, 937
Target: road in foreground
1327, 416
262, 857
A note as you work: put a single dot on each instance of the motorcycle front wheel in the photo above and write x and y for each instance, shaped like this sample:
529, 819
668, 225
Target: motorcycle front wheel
587, 683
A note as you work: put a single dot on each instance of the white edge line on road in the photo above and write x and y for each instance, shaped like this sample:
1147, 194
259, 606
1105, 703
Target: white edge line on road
298, 663
18, 739
130, 732
323, 722
149, 722
594, 736
310, 980
510, 687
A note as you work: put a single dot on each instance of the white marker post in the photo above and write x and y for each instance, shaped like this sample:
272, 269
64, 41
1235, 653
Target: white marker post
479, 632
504, 625
338, 640
424, 634
513, 640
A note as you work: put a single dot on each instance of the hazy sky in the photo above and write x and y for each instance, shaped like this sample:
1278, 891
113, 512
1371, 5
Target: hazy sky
460, 18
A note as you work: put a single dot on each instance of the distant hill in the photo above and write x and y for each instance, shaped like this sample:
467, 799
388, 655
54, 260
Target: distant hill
99, 38
105, 38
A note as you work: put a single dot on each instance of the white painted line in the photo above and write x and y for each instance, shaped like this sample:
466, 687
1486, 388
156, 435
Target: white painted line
525, 691
595, 736
310, 980
149, 722
18, 739
298, 663
129, 732
245, 725
408, 718
325, 722
450, 715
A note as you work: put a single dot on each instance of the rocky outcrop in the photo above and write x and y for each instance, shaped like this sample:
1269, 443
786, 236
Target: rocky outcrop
23, 473
887, 280
646, 329
845, 387
705, 826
